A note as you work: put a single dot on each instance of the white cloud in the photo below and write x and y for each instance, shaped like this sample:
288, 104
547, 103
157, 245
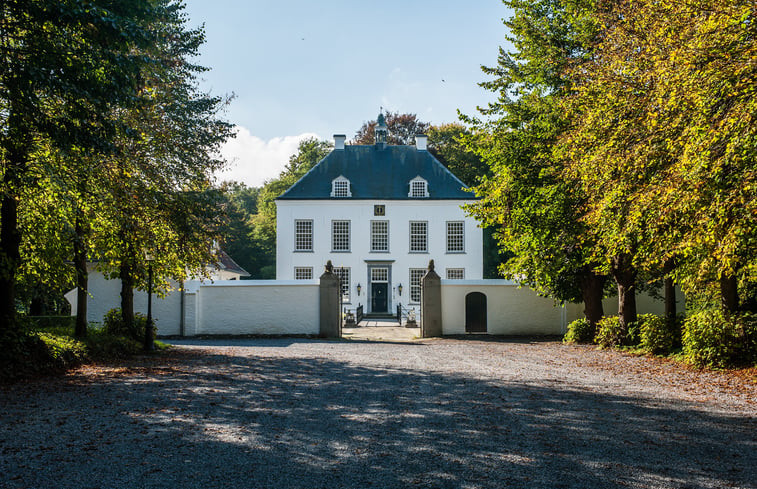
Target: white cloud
253, 160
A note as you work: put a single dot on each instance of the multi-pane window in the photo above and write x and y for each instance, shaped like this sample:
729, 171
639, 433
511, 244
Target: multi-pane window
380, 274
344, 282
303, 273
455, 273
303, 235
416, 274
455, 235
340, 235
418, 188
340, 187
418, 236
379, 236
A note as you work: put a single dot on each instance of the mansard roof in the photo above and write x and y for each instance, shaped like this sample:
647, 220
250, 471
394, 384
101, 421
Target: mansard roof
378, 172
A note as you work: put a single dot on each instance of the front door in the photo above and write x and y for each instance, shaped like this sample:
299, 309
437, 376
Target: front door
379, 289
378, 297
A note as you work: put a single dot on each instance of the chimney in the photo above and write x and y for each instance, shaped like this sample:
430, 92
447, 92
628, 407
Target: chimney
420, 142
339, 141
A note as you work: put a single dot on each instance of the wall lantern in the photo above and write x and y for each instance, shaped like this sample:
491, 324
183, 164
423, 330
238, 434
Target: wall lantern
358, 289
399, 289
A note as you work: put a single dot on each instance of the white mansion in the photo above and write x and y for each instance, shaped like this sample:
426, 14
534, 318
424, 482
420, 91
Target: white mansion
379, 213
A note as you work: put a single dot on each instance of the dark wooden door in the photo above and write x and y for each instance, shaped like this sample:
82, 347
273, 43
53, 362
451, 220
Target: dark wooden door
378, 297
475, 313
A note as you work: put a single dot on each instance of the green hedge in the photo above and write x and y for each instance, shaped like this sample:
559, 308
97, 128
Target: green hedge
713, 339
579, 331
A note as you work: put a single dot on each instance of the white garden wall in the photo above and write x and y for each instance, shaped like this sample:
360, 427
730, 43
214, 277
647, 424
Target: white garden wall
253, 307
230, 307
520, 311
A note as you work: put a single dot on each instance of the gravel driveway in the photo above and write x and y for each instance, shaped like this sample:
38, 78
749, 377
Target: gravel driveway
447, 413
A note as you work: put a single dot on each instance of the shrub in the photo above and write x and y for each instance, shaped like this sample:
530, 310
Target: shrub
656, 335
65, 352
579, 331
103, 345
712, 339
113, 324
609, 332
27, 354
51, 322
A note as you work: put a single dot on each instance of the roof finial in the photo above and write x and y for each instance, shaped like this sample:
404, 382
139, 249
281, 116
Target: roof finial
381, 129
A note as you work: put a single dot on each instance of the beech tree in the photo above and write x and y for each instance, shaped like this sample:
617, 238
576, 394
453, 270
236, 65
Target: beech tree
663, 144
536, 213
57, 54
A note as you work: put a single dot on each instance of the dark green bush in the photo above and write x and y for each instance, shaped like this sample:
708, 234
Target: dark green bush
656, 335
113, 324
609, 332
28, 354
103, 345
712, 339
51, 322
579, 331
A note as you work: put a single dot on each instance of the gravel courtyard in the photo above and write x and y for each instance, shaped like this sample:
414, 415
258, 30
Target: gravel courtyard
444, 413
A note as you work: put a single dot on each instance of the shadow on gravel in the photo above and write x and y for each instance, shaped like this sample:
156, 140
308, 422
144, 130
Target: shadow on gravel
264, 422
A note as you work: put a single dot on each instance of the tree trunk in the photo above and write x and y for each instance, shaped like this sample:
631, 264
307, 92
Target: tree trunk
592, 290
625, 277
670, 301
80, 264
729, 294
10, 240
127, 296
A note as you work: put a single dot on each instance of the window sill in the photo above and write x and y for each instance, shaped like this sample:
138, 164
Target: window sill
381, 252
417, 252
302, 251
341, 251
455, 253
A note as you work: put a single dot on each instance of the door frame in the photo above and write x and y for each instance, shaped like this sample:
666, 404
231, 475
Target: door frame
388, 266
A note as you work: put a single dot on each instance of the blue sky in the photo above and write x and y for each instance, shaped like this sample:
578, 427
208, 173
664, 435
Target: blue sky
315, 68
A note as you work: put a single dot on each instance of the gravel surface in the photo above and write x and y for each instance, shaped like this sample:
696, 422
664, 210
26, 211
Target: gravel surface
447, 413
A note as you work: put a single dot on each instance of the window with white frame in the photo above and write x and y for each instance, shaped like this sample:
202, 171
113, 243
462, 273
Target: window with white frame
303, 235
340, 235
379, 274
418, 236
455, 237
344, 282
379, 236
418, 187
303, 273
340, 187
416, 274
455, 273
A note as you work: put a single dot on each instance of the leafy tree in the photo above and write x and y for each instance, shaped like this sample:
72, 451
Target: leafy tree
250, 228
662, 143
402, 129
57, 55
535, 212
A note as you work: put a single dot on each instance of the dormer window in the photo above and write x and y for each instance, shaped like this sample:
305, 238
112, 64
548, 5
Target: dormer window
340, 187
418, 187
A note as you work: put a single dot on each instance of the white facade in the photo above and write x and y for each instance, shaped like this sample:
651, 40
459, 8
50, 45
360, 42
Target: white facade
360, 258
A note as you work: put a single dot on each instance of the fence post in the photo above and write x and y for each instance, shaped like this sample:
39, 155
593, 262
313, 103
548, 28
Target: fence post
431, 303
329, 303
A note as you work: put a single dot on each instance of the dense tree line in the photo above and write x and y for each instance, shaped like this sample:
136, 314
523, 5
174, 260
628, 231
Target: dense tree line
622, 150
106, 147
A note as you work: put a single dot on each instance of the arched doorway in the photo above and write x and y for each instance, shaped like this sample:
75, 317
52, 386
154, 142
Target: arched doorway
475, 313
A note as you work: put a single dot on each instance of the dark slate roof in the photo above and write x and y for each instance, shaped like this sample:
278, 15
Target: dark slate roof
376, 173
225, 262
